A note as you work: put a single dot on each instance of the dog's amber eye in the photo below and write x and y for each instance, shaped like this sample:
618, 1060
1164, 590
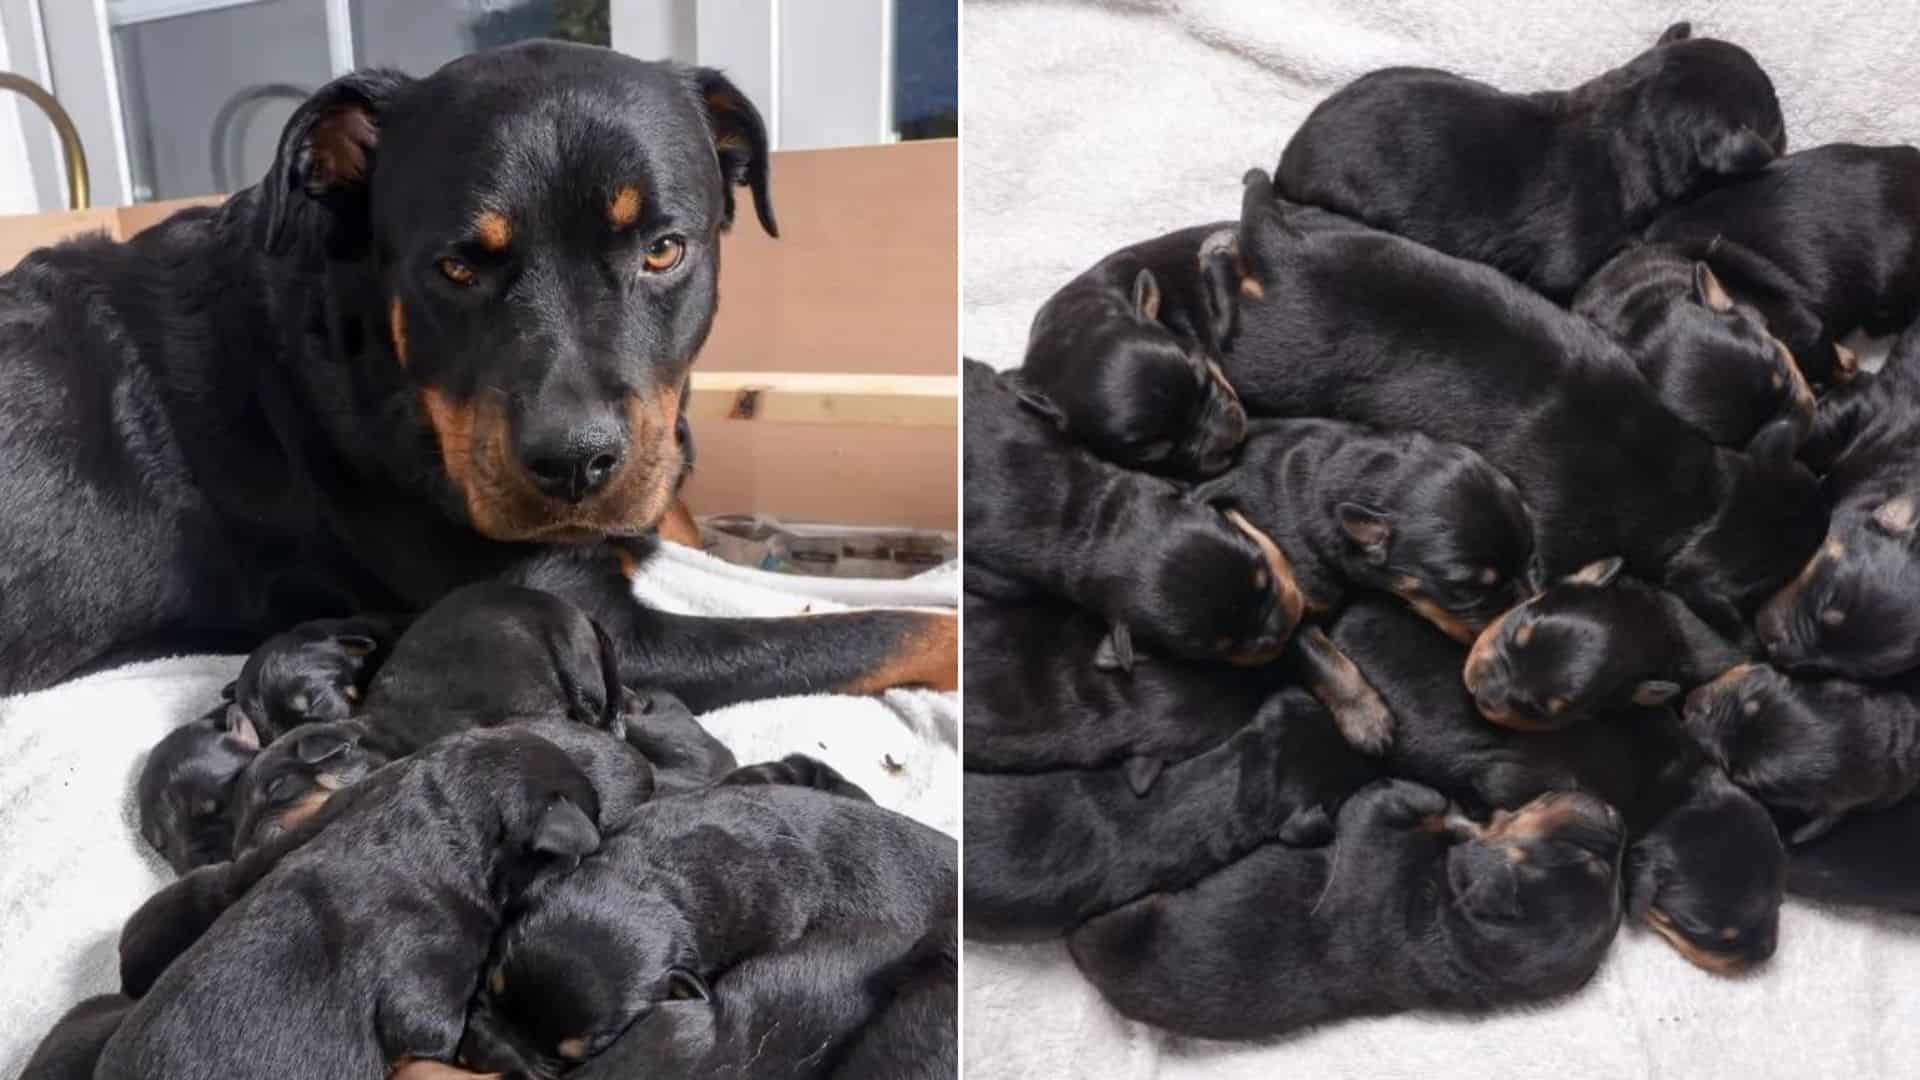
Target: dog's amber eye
665, 253
457, 272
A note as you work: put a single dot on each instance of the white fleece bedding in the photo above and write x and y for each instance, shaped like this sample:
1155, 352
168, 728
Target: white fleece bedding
72, 866
1090, 126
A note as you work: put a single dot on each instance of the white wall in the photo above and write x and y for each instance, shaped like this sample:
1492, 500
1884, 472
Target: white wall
16, 179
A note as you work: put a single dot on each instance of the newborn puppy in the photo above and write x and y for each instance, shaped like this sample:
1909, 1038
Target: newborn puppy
1706, 864
426, 854
1850, 611
1038, 697
72, 1049
185, 791
661, 727
1041, 511
1046, 851
1821, 243
692, 887
1543, 186
292, 779
1592, 642
1708, 356
1430, 522
1851, 863
1824, 748
316, 671
1126, 351
1410, 908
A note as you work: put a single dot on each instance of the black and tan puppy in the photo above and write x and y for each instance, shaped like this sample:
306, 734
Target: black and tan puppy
1043, 512
1358, 325
1430, 522
313, 673
1126, 353
1821, 243
1593, 642
292, 779
1039, 698
693, 886
1046, 851
429, 850
71, 1050
1850, 610
1411, 907
1862, 861
1824, 748
1708, 356
186, 791
1544, 186
1705, 865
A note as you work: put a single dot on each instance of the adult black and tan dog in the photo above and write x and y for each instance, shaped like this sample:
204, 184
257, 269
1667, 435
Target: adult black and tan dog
445, 340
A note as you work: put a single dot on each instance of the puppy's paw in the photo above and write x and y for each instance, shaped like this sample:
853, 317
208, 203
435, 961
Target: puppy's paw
798, 770
1310, 826
1403, 803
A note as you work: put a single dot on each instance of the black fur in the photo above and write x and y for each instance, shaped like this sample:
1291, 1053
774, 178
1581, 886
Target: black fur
1860, 861
292, 779
72, 1048
186, 791
313, 673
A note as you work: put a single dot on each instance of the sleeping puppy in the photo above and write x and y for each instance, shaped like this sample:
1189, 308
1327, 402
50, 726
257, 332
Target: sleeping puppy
1412, 907
1824, 748
1038, 697
1126, 353
1358, 325
186, 788
72, 1048
693, 886
1850, 611
428, 852
1046, 851
1592, 642
1821, 243
1430, 522
1851, 863
916, 1035
315, 672
1543, 186
1042, 512
684, 756
292, 779
1705, 865
1708, 356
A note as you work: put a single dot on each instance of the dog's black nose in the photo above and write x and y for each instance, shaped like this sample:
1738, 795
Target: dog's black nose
575, 463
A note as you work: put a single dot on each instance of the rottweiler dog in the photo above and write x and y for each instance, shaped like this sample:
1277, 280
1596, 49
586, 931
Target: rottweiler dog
1850, 610
1411, 907
1046, 851
292, 779
1822, 748
1127, 354
1038, 697
71, 1050
186, 791
1592, 642
694, 885
1862, 861
1709, 357
1543, 186
430, 850
444, 340
314, 672
1043, 512
1430, 522
1358, 325
1821, 243
1706, 864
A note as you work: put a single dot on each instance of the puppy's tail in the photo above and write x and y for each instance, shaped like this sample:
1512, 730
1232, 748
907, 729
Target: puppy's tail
1263, 234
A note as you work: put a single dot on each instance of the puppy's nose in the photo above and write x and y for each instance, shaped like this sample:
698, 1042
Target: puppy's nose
575, 463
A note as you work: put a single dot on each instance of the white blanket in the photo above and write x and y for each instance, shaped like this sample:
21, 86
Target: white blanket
72, 865
1090, 127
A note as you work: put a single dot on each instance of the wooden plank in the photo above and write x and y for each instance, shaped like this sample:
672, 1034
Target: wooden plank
826, 398
875, 475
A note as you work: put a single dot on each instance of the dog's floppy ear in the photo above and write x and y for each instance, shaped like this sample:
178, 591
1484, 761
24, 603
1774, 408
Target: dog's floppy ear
1032, 399
1116, 650
1141, 771
1735, 153
1483, 880
1679, 31
326, 153
1368, 528
1708, 290
1146, 295
1599, 573
565, 831
740, 144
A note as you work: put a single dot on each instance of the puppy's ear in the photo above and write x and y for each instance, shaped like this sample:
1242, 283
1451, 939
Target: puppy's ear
1368, 528
326, 154
1599, 574
315, 747
1679, 31
565, 831
1775, 445
1708, 290
1736, 153
1220, 272
356, 645
1116, 650
1036, 402
1146, 295
1896, 516
1141, 771
1655, 692
1483, 880
684, 985
739, 143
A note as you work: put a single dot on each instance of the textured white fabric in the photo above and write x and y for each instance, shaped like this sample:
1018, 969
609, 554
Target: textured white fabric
73, 867
1092, 126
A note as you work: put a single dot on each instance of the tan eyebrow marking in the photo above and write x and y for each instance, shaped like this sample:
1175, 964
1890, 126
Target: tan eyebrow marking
624, 210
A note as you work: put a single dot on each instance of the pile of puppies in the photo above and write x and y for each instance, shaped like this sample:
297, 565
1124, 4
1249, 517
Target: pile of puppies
462, 848
1373, 599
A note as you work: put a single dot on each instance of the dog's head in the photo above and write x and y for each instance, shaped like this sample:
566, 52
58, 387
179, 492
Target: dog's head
1795, 744
1770, 518
309, 674
1849, 611
539, 227
1709, 877
1700, 109
186, 791
292, 779
1216, 587
1453, 541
